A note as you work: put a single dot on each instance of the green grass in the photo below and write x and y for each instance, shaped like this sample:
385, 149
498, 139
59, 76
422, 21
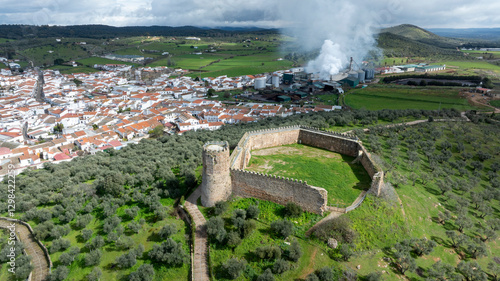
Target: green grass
495, 54
331, 99
403, 97
422, 203
471, 65
6, 40
378, 224
70, 70
331, 171
40, 55
495, 103
96, 60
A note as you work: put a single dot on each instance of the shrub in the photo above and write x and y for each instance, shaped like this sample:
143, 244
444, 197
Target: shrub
145, 272
282, 228
60, 245
253, 212
280, 266
233, 268
312, 277
233, 239
169, 252
86, 234
266, 276
59, 274
95, 274
339, 228
268, 252
292, 210
93, 257
346, 251
374, 276
220, 207
124, 243
325, 274
294, 251
126, 260
167, 231
215, 229
248, 228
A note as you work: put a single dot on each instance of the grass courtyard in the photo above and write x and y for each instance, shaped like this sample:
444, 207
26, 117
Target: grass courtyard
322, 168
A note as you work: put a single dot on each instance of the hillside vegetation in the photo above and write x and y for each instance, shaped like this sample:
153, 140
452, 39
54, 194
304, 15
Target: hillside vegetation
424, 36
96, 209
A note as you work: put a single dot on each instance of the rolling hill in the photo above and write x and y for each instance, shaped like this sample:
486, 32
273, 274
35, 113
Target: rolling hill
423, 36
400, 46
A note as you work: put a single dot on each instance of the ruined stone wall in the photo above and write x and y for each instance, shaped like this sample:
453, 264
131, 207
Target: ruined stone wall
373, 170
262, 139
367, 162
279, 190
273, 137
329, 141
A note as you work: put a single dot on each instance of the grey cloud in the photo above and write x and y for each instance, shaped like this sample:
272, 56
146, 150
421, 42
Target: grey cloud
264, 13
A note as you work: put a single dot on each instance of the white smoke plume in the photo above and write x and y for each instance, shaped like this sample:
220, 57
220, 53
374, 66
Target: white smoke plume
341, 29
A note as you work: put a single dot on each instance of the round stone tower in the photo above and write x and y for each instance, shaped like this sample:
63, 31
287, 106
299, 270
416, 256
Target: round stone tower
216, 181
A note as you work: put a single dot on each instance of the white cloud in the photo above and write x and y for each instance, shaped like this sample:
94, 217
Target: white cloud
264, 13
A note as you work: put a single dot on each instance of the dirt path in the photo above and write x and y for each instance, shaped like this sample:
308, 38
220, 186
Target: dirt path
310, 267
200, 265
33, 249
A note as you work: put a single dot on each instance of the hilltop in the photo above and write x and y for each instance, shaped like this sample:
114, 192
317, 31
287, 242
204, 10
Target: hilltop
421, 35
395, 45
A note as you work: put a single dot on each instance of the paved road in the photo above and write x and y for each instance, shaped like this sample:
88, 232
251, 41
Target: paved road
200, 264
33, 249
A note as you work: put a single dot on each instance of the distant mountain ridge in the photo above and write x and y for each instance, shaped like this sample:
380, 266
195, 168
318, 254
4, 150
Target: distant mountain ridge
106, 31
469, 33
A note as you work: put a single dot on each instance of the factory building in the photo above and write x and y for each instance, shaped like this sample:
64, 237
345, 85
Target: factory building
260, 83
351, 81
430, 68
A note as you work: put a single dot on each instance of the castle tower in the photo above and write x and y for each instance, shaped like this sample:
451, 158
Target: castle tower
216, 181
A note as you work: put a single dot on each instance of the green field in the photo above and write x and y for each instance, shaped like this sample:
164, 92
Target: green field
403, 97
495, 103
331, 171
66, 69
96, 60
487, 54
48, 53
470, 65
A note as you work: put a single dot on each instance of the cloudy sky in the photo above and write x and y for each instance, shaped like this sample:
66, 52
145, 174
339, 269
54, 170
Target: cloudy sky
261, 13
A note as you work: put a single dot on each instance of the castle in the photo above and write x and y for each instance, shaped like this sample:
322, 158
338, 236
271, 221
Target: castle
224, 174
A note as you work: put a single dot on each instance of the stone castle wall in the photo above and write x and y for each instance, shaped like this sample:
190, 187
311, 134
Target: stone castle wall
333, 142
283, 190
279, 190
373, 170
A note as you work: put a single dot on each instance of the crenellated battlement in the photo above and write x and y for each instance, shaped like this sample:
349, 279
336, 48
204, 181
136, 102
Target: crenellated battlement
284, 179
215, 147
